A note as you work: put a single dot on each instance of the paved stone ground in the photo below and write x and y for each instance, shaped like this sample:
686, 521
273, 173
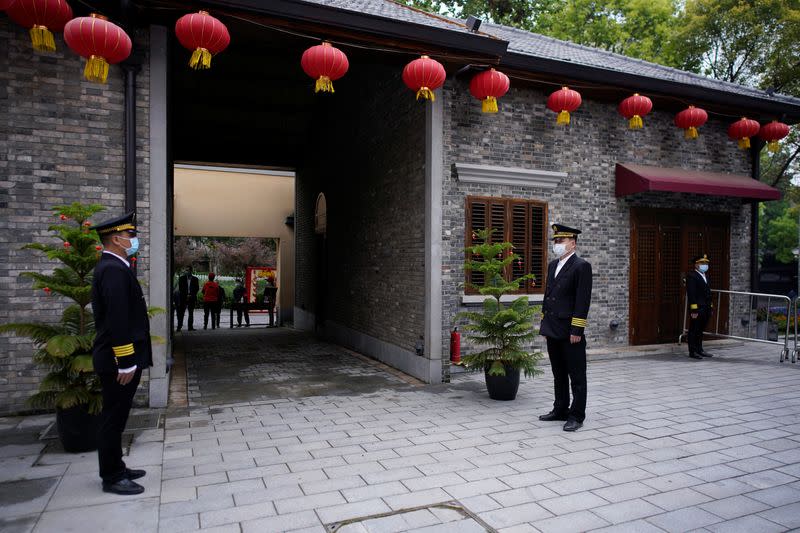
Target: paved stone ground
670, 444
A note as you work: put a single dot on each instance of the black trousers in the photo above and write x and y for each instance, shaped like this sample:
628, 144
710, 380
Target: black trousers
696, 327
271, 310
568, 362
117, 400
218, 313
210, 308
241, 308
182, 306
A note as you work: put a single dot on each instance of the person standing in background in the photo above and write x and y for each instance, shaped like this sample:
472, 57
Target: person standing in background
188, 287
698, 297
210, 297
240, 304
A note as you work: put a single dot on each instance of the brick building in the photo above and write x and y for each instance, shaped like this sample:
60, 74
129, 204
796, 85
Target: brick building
403, 182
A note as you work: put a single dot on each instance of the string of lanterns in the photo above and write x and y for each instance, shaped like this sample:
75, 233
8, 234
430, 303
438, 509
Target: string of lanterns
103, 43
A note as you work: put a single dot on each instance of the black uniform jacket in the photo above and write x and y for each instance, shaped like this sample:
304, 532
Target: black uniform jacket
120, 318
698, 292
193, 287
566, 299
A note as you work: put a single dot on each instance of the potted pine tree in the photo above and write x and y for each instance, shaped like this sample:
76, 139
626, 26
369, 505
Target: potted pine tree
501, 329
65, 348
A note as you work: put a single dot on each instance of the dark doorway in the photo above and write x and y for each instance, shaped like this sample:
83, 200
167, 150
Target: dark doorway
662, 244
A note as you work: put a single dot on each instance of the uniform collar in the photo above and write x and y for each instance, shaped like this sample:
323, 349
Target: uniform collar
127, 263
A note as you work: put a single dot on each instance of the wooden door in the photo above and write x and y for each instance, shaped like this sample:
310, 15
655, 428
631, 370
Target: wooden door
662, 244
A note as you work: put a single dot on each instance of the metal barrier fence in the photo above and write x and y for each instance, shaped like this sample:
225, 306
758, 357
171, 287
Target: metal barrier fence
795, 319
763, 315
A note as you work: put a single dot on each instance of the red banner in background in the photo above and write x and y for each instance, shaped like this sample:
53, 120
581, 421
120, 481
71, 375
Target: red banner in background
255, 277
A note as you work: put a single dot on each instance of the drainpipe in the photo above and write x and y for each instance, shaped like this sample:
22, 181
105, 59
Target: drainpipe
130, 67
130, 136
755, 172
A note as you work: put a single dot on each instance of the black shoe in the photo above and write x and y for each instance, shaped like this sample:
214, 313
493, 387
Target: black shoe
179, 328
572, 425
694, 356
247, 325
191, 328
552, 415
705, 354
124, 486
134, 474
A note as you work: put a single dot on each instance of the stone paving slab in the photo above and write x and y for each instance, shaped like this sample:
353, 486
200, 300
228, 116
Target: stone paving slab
669, 444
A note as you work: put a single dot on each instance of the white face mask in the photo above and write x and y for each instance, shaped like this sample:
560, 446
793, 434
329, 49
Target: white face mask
559, 248
703, 268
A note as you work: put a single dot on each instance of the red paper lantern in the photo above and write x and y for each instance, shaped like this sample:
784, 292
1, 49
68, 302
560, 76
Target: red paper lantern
42, 17
690, 119
326, 64
424, 75
742, 130
205, 35
488, 86
564, 101
5, 4
101, 42
634, 108
772, 133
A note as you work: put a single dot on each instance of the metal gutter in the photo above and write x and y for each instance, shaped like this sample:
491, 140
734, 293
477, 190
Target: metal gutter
764, 106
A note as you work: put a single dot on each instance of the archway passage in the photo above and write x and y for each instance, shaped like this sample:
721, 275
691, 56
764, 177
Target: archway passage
361, 147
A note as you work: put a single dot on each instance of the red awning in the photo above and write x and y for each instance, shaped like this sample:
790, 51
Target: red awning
637, 178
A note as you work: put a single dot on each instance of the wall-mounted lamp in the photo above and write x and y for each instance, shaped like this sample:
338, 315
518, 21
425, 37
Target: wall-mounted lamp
614, 324
473, 23
289, 221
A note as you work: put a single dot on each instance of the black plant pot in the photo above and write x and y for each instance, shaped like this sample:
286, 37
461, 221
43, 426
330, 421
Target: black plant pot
502, 388
77, 429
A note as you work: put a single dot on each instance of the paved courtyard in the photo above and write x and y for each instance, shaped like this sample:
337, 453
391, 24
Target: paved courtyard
669, 444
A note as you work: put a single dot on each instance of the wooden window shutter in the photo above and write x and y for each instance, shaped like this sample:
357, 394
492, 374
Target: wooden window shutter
477, 211
520, 222
537, 223
520, 238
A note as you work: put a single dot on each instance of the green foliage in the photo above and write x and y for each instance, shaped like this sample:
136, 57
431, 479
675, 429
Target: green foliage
502, 329
782, 236
64, 348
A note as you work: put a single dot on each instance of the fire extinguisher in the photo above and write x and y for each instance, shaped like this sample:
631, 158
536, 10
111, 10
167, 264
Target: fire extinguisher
455, 346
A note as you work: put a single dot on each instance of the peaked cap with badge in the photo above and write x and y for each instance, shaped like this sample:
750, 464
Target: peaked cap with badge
561, 231
701, 259
126, 222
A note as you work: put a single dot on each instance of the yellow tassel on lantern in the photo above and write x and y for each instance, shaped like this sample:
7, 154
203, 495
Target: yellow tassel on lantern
324, 84
489, 105
690, 133
563, 117
744, 143
201, 59
42, 39
773, 146
96, 69
635, 123
426, 93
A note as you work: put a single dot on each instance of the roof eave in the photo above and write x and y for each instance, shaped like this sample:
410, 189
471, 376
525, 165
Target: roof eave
430, 36
765, 107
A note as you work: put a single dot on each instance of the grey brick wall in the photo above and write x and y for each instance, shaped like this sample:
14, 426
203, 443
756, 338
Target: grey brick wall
368, 158
524, 134
62, 140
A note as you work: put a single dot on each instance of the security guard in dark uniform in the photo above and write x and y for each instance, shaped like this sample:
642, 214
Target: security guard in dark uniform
564, 311
121, 347
698, 297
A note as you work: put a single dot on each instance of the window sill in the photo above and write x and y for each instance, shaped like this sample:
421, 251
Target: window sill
476, 299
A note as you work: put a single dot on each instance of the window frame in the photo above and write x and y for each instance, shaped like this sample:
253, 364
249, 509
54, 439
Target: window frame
508, 212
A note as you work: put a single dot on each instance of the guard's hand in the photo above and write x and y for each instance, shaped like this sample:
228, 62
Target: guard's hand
124, 379
574, 339
694, 315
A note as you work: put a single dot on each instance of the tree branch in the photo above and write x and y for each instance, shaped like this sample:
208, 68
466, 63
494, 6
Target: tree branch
785, 166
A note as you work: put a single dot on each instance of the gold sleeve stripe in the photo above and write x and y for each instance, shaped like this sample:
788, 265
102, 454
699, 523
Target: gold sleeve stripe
579, 322
693, 306
122, 351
